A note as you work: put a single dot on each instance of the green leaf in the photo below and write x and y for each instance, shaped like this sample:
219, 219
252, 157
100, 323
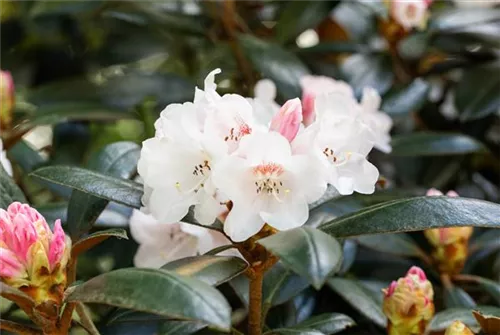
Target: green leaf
413, 46
173, 327
119, 190
307, 251
443, 319
118, 159
328, 323
161, 292
490, 286
94, 239
275, 63
396, 244
409, 99
461, 17
9, 191
16, 295
368, 70
487, 240
415, 214
354, 293
213, 270
292, 331
27, 157
456, 297
298, 16
332, 47
40, 8
435, 144
476, 94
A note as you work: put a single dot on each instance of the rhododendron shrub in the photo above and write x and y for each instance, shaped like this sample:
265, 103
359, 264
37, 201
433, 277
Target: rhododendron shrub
249, 167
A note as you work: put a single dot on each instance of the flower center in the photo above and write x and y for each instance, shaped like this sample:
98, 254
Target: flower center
236, 133
268, 180
336, 158
411, 11
202, 169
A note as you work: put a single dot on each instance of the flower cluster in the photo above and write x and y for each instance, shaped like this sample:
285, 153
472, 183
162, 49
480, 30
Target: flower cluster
32, 257
408, 303
410, 13
450, 244
263, 163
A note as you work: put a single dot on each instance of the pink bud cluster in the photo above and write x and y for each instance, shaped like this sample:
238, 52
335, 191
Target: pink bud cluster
27, 245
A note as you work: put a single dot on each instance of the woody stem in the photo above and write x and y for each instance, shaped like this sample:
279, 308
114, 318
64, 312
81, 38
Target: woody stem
255, 305
18, 328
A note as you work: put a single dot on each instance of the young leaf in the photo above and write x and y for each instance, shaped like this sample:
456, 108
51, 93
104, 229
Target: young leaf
307, 251
415, 214
275, 63
396, 244
119, 190
9, 191
435, 144
293, 331
354, 293
213, 270
159, 292
94, 239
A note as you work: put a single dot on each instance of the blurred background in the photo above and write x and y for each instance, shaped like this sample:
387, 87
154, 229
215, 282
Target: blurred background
89, 73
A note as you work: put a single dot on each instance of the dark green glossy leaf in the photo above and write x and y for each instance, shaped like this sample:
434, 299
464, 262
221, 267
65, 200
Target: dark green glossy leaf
292, 331
487, 240
490, 286
435, 144
415, 214
27, 157
455, 297
118, 160
332, 47
476, 94
328, 323
281, 285
413, 46
96, 238
349, 251
298, 16
396, 244
41, 8
409, 99
213, 270
460, 17
173, 327
443, 319
119, 190
368, 70
162, 292
275, 63
9, 191
354, 293
307, 251
356, 19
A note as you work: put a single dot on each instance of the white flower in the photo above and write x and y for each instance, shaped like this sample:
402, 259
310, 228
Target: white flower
342, 143
476, 3
345, 105
410, 13
267, 184
161, 243
264, 105
4, 161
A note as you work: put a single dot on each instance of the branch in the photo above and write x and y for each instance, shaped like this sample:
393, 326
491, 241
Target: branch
19, 328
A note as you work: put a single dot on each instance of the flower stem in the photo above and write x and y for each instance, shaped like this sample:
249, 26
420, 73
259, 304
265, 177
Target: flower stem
255, 306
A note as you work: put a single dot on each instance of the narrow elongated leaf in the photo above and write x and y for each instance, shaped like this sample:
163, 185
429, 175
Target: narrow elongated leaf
27, 157
434, 144
409, 99
275, 63
94, 239
488, 240
368, 71
328, 323
349, 251
119, 190
118, 160
415, 214
281, 285
455, 297
396, 244
297, 16
460, 17
307, 251
161, 292
292, 331
213, 270
476, 94
173, 327
9, 191
445, 318
354, 293
490, 286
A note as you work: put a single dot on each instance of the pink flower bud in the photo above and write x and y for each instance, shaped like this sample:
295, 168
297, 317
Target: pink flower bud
408, 303
308, 114
6, 99
31, 255
287, 120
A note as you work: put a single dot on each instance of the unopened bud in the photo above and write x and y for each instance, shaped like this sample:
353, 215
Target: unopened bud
450, 244
458, 328
6, 99
33, 258
287, 121
408, 303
